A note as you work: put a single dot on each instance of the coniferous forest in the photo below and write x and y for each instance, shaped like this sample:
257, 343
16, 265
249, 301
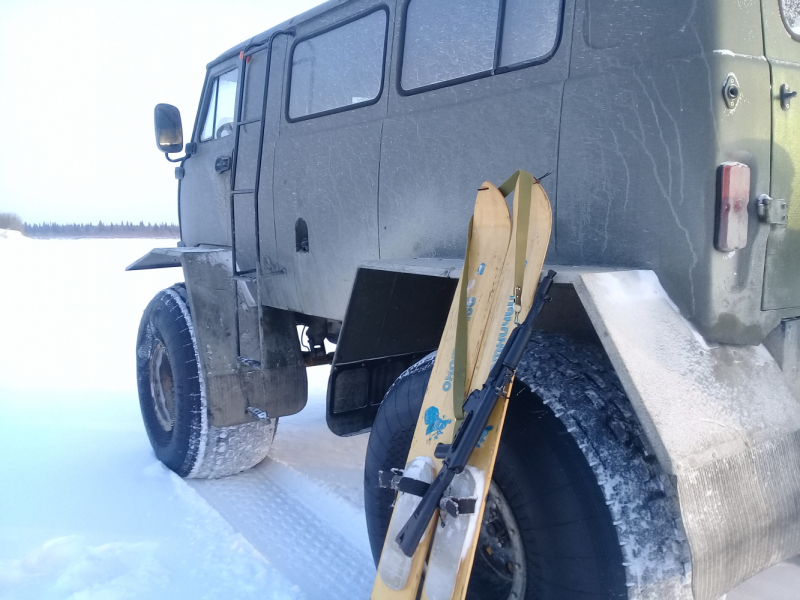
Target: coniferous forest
82, 230
104, 230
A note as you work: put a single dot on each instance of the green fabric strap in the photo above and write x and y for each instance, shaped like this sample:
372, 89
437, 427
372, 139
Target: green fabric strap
460, 350
521, 183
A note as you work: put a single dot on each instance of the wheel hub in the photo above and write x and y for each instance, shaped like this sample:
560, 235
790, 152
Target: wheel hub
499, 569
162, 387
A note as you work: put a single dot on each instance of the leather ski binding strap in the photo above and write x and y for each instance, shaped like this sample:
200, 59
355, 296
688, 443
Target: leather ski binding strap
394, 480
457, 506
452, 506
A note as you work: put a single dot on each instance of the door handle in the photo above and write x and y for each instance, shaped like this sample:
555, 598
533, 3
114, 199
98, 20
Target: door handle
222, 164
786, 95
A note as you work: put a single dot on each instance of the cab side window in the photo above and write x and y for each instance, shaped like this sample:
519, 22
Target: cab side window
456, 40
790, 11
338, 68
221, 108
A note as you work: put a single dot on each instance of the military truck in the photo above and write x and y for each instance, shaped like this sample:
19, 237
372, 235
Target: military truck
653, 443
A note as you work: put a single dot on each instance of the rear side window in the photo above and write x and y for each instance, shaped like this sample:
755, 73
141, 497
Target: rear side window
338, 68
530, 30
447, 41
221, 107
790, 10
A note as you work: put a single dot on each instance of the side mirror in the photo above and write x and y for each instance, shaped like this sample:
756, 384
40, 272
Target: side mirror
169, 131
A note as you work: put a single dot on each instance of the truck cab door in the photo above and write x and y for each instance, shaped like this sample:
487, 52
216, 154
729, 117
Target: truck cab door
205, 188
782, 48
222, 189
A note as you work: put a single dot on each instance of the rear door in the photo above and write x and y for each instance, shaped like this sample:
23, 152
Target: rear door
781, 20
476, 94
327, 157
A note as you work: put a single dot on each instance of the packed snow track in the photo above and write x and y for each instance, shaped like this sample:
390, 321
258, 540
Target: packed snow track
86, 511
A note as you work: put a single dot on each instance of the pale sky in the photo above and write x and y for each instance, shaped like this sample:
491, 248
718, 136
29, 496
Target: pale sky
78, 85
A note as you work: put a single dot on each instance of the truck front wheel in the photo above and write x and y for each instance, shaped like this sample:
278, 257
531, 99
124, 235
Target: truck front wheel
172, 398
577, 508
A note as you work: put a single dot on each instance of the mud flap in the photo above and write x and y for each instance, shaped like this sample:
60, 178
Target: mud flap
722, 422
237, 392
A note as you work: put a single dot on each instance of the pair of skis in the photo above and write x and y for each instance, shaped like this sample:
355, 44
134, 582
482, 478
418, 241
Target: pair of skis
450, 462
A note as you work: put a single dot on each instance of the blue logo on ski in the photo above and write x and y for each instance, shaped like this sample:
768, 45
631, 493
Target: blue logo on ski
435, 424
481, 268
484, 434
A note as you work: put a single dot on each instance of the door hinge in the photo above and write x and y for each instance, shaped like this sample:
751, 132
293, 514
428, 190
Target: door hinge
774, 212
258, 413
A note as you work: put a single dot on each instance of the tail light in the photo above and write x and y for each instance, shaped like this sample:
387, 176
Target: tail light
733, 196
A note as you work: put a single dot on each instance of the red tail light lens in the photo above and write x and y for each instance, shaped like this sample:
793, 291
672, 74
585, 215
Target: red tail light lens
733, 196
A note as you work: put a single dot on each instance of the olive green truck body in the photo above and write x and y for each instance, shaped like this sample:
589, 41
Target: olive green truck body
331, 174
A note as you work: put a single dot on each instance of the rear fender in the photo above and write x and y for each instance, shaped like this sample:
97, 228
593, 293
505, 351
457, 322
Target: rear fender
721, 419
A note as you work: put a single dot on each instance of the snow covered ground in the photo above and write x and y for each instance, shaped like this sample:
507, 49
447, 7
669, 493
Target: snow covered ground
87, 513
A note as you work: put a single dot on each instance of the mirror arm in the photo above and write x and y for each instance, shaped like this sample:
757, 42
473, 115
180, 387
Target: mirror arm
190, 150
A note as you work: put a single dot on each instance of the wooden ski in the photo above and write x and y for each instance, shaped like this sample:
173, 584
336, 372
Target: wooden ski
502, 321
488, 242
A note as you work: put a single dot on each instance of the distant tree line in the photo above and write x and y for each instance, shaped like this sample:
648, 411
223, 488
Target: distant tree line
102, 230
11, 221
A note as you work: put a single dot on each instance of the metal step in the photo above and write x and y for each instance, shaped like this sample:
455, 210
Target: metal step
249, 362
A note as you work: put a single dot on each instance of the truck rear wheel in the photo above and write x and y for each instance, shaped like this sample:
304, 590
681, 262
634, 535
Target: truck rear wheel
576, 508
172, 398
